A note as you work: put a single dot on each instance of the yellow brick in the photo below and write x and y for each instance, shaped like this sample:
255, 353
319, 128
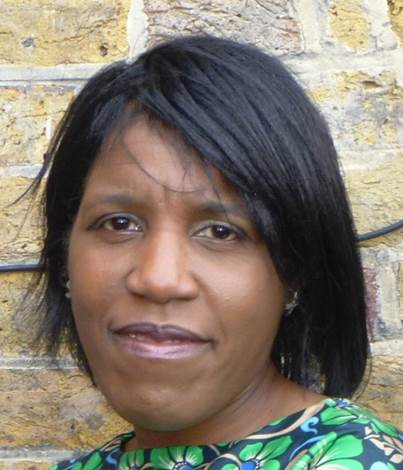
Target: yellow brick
19, 223
376, 197
322, 93
26, 464
396, 16
363, 109
369, 84
16, 333
384, 392
401, 289
28, 117
342, 84
54, 408
349, 24
31, 465
18, 318
49, 32
366, 133
270, 24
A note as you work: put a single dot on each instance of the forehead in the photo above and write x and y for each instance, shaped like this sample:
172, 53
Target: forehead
149, 155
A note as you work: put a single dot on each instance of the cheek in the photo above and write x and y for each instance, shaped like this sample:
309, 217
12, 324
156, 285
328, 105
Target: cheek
91, 281
251, 306
93, 272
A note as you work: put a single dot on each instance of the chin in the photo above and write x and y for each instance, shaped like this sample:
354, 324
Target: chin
156, 411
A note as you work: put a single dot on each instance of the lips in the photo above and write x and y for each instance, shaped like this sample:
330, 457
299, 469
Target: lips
159, 341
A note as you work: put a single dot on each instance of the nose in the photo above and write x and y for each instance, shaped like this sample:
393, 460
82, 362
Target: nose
161, 270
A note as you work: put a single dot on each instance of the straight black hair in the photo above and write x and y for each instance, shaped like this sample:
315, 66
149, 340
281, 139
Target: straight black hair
244, 114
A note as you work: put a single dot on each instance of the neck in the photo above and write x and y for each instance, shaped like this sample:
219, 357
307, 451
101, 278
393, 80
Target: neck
267, 400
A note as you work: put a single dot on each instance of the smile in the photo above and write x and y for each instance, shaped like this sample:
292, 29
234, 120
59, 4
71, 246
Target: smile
152, 341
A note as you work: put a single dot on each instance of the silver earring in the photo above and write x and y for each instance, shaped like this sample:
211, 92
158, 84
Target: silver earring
67, 293
290, 306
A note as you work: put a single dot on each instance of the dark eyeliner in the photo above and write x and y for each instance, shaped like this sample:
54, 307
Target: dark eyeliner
98, 223
240, 233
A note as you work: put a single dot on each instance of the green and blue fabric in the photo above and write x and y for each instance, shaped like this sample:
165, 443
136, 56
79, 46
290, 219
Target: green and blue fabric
335, 435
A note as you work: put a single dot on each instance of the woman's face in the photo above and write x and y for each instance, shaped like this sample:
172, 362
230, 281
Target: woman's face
174, 294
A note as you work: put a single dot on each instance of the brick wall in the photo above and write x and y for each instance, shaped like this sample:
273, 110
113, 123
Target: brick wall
348, 55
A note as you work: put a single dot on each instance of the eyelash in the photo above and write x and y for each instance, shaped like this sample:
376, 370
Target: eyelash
236, 232
100, 224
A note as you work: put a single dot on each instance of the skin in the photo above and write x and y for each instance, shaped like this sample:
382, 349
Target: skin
152, 243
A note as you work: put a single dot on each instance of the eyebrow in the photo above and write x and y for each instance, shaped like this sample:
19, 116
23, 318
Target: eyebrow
120, 199
207, 206
124, 199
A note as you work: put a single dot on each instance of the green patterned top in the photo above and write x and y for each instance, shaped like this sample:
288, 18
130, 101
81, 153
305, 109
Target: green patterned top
334, 435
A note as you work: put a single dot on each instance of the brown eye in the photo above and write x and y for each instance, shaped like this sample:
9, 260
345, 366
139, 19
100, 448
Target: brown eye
120, 223
220, 232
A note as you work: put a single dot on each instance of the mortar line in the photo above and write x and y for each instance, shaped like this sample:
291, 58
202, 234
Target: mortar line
303, 63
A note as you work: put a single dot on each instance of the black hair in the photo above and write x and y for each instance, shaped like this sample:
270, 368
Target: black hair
244, 114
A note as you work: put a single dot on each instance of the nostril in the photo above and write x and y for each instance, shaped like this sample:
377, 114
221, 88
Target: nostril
161, 270
162, 285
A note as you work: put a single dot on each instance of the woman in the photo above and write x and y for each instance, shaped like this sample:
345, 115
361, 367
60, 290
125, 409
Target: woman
201, 265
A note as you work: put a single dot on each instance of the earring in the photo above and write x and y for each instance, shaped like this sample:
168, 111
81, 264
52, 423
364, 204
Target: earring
67, 293
290, 306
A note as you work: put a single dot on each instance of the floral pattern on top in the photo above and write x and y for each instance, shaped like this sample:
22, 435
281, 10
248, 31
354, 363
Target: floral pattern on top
333, 435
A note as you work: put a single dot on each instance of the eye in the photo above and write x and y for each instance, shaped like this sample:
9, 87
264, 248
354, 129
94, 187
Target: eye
119, 223
220, 232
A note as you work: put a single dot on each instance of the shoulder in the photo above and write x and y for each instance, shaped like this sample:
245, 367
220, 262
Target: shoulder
105, 457
346, 436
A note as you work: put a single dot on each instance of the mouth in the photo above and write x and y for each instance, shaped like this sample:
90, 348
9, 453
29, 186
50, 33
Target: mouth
149, 340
